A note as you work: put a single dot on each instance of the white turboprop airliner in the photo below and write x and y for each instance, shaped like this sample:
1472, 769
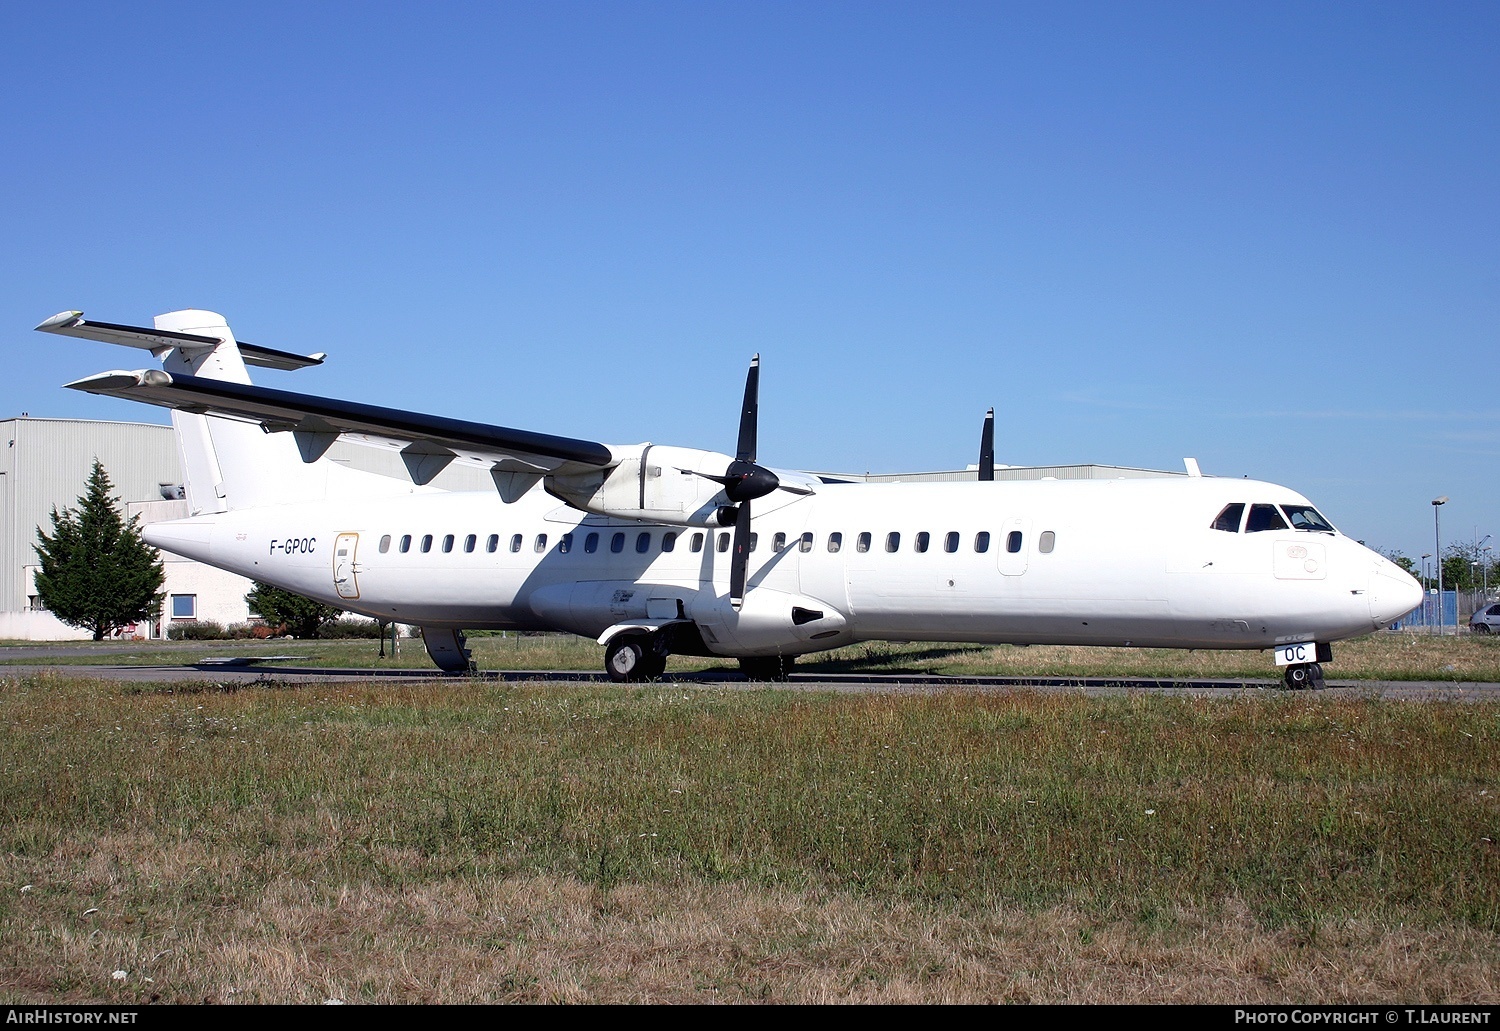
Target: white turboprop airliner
653, 550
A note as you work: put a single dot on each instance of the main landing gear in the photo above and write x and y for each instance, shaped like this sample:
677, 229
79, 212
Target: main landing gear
631, 658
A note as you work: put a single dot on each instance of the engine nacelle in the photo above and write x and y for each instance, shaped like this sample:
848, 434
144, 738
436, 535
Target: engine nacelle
656, 484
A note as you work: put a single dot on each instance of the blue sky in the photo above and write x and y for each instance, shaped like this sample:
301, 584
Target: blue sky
1263, 235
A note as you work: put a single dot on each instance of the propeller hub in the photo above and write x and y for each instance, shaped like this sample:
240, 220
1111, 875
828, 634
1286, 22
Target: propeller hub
746, 481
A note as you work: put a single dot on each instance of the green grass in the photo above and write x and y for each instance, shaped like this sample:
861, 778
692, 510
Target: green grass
1385, 656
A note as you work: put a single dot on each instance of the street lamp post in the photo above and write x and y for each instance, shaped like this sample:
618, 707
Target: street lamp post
1437, 536
1426, 579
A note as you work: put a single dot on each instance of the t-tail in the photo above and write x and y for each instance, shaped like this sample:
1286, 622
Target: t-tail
227, 463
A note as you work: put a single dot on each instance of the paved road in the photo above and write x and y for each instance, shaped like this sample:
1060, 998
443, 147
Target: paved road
248, 673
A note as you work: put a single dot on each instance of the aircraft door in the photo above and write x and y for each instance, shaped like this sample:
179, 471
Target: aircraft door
344, 569
1013, 546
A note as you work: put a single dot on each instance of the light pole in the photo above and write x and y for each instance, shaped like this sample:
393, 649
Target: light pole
1426, 579
1437, 536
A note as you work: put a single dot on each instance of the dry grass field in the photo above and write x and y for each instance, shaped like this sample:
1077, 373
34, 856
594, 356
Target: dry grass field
470, 841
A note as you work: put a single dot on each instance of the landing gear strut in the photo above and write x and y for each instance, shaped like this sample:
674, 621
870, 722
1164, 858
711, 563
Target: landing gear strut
1307, 676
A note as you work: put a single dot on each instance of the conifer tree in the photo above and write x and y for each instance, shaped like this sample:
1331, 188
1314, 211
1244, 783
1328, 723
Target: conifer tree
300, 616
97, 573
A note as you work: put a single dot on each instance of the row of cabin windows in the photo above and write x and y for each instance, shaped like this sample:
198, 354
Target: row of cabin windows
617, 541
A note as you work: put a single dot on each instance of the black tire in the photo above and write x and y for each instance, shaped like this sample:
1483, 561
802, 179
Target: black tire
625, 659
1299, 678
772, 668
1481, 628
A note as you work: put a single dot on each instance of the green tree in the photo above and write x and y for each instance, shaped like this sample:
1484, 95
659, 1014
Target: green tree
302, 617
96, 572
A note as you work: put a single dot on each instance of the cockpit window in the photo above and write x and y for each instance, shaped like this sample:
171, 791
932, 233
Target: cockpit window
1305, 517
1264, 517
1229, 519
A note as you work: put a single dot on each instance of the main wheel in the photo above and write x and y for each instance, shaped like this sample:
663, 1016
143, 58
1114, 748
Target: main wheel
774, 668
625, 659
1481, 628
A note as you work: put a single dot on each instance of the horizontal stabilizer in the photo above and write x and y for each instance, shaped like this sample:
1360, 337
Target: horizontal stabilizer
73, 324
476, 443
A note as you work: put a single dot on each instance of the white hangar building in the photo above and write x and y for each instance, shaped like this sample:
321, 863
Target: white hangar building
47, 462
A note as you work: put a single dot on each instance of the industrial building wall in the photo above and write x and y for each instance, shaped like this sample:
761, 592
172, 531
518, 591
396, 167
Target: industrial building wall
46, 463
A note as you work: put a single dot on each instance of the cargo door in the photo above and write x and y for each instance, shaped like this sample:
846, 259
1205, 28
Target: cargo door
344, 580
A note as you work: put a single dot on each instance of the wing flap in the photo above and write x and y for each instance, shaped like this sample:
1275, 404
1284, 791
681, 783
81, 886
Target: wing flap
424, 439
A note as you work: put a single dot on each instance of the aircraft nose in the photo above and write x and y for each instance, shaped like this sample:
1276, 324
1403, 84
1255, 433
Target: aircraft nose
1392, 595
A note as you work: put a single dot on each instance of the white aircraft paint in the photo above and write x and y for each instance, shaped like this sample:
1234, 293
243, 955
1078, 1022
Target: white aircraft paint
1104, 562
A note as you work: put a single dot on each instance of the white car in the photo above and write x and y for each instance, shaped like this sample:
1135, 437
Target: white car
1486, 620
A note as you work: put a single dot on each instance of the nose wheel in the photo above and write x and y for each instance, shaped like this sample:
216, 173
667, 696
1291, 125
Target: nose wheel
632, 658
1307, 676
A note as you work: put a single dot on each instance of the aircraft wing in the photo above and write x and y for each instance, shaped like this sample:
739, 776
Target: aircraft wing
427, 442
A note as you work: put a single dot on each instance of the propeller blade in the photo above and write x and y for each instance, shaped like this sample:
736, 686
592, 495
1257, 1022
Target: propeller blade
987, 447
749, 414
740, 557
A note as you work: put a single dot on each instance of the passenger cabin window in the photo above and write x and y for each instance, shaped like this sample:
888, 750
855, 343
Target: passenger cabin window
950, 542
893, 542
923, 539
447, 543
982, 541
1264, 517
835, 541
805, 544
723, 544
405, 543
1046, 541
426, 542
1229, 519
591, 543
778, 543
1013, 541
565, 544
1305, 517
754, 541
642, 543
668, 541
617, 543
385, 544
515, 542
541, 543
469, 543
862, 542
493, 543
697, 543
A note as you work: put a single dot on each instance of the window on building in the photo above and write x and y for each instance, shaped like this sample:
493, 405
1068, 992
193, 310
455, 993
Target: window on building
184, 606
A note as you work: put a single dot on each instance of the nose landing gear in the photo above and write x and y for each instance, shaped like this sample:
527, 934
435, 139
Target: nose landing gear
1307, 676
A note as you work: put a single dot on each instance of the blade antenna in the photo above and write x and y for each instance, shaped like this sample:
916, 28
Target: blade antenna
987, 447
